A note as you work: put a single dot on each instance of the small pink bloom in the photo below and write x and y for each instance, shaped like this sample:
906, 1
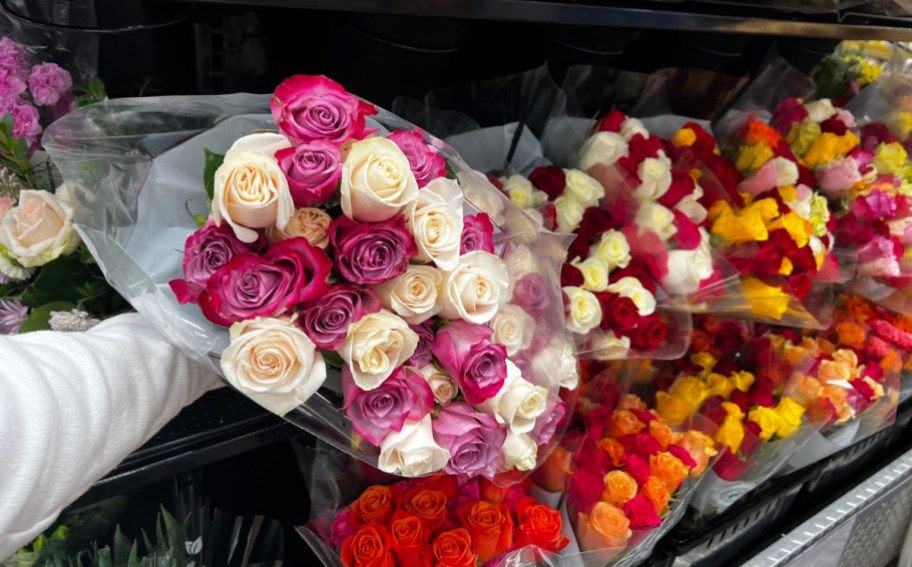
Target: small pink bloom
837, 177
763, 180
465, 352
425, 162
472, 438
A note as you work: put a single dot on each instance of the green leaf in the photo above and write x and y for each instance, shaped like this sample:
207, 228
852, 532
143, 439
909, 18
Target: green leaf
332, 358
60, 279
39, 318
213, 161
120, 545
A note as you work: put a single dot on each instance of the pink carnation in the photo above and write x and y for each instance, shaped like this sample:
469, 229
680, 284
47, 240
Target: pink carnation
48, 82
13, 58
26, 122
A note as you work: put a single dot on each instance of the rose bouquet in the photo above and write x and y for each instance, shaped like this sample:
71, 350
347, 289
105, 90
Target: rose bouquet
347, 240
853, 66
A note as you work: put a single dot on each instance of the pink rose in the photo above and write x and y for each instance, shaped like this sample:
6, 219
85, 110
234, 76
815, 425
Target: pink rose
313, 107
313, 170
763, 180
327, 318
876, 205
423, 352
13, 58
472, 438
531, 294
880, 257
547, 425
377, 413
205, 251
249, 286
425, 162
837, 177
477, 234
371, 253
48, 82
466, 354
344, 525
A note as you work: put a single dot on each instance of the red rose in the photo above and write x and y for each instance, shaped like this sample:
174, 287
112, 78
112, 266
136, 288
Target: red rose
579, 249
409, 539
682, 185
597, 421
643, 415
730, 466
612, 122
641, 513
705, 140
800, 285
618, 313
634, 270
442, 482
863, 388
648, 249
642, 445
584, 490
761, 394
650, 332
688, 236
835, 125
368, 547
636, 467
549, 216
739, 398
874, 134
570, 275
550, 179
540, 526
595, 223
682, 455
788, 112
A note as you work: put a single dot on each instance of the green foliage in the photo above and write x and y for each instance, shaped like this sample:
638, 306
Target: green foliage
14, 152
213, 161
90, 93
40, 317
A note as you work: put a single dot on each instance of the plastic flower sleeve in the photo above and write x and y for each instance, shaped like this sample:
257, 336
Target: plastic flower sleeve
676, 91
136, 167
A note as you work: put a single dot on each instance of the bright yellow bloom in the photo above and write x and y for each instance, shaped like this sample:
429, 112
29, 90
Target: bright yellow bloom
691, 388
745, 226
900, 124
798, 228
752, 157
767, 419
733, 410
685, 137
673, 409
788, 193
785, 269
828, 147
790, 413
765, 300
704, 360
742, 380
730, 433
801, 135
719, 385
890, 158
870, 72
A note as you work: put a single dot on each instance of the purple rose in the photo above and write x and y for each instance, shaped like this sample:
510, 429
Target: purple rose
371, 253
313, 107
426, 164
477, 234
546, 425
423, 352
326, 319
13, 58
12, 315
313, 170
205, 251
466, 353
531, 293
48, 82
377, 413
26, 122
472, 438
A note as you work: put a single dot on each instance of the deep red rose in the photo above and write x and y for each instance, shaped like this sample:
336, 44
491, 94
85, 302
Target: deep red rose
682, 185
874, 134
638, 468
712, 409
595, 223
570, 275
578, 249
761, 394
495, 181
682, 455
643, 415
835, 125
597, 421
648, 249
583, 491
650, 332
640, 147
612, 122
642, 445
618, 313
730, 466
705, 140
549, 216
788, 112
641, 513
688, 236
863, 388
752, 440
550, 179
800, 285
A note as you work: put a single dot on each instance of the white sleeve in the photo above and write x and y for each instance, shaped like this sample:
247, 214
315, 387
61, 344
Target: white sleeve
73, 405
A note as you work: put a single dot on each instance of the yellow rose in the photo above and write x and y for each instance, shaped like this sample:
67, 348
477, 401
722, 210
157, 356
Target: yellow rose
900, 124
733, 410
801, 135
785, 269
798, 228
673, 409
820, 214
767, 209
704, 360
890, 158
870, 72
790, 413
765, 300
824, 149
685, 137
719, 385
691, 388
752, 157
748, 226
730, 433
767, 419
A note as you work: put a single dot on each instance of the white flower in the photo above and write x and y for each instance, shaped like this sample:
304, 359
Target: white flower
513, 328
519, 451
641, 297
478, 191
441, 383
820, 110
72, 321
37, 230
558, 363
655, 179
536, 216
375, 346
603, 148
608, 346
13, 270
686, 269
786, 171
309, 223
690, 206
613, 249
802, 206
273, 362
595, 273
520, 261
251, 190
523, 193
656, 218
412, 452
477, 288
582, 188
377, 181
518, 403
585, 310
415, 295
435, 220
631, 127
569, 214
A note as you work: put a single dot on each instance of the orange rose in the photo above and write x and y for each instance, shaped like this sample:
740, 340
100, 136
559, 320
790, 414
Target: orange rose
850, 334
368, 547
491, 527
805, 389
660, 432
619, 488
761, 133
892, 362
605, 528
701, 448
428, 505
409, 537
624, 422
656, 492
454, 549
377, 503
554, 473
669, 469
614, 449
540, 526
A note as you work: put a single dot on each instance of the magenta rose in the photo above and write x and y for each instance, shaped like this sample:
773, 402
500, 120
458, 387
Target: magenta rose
423, 355
371, 253
249, 286
48, 82
313, 170
466, 353
205, 251
477, 234
327, 318
426, 164
531, 293
473, 439
379, 412
313, 107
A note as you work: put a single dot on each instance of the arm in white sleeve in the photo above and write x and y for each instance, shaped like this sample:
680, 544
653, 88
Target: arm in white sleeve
73, 405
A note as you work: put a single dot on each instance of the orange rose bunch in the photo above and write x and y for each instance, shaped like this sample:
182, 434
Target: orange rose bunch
443, 522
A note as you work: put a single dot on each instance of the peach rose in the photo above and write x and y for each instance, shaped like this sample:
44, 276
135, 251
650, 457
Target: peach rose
619, 488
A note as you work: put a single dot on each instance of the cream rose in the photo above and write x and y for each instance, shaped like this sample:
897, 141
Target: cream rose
375, 346
513, 328
309, 223
820, 110
612, 249
601, 148
595, 273
631, 127
569, 214
377, 181
691, 208
558, 364
435, 221
478, 191
477, 288
273, 362
786, 171
582, 188
536, 216
655, 179
608, 346
520, 261
415, 295
251, 190
658, 219
412, 452
686, 269
442, 384
39, 229
641, 297
518, 403
519, 451
585, 310
522, 193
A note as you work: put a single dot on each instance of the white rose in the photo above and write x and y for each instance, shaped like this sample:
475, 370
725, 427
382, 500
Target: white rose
691, 208
375, 346
686, 269
535, 215
412, 452
251, 190
37, 230
478, 191
585, 310
820, 110
415, 295
569, 214
658, 219
613, 249
435, 220
441, 383
595, 273
519, 451
641, 297
608, 346
522, 193
631, 127
569, 366
518, 403
582, 188
786, 171
655, 179
513, 328
558, 364
273, 362
310, 223
601, 148
477, 288
377, 181
802, 206
520, 261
